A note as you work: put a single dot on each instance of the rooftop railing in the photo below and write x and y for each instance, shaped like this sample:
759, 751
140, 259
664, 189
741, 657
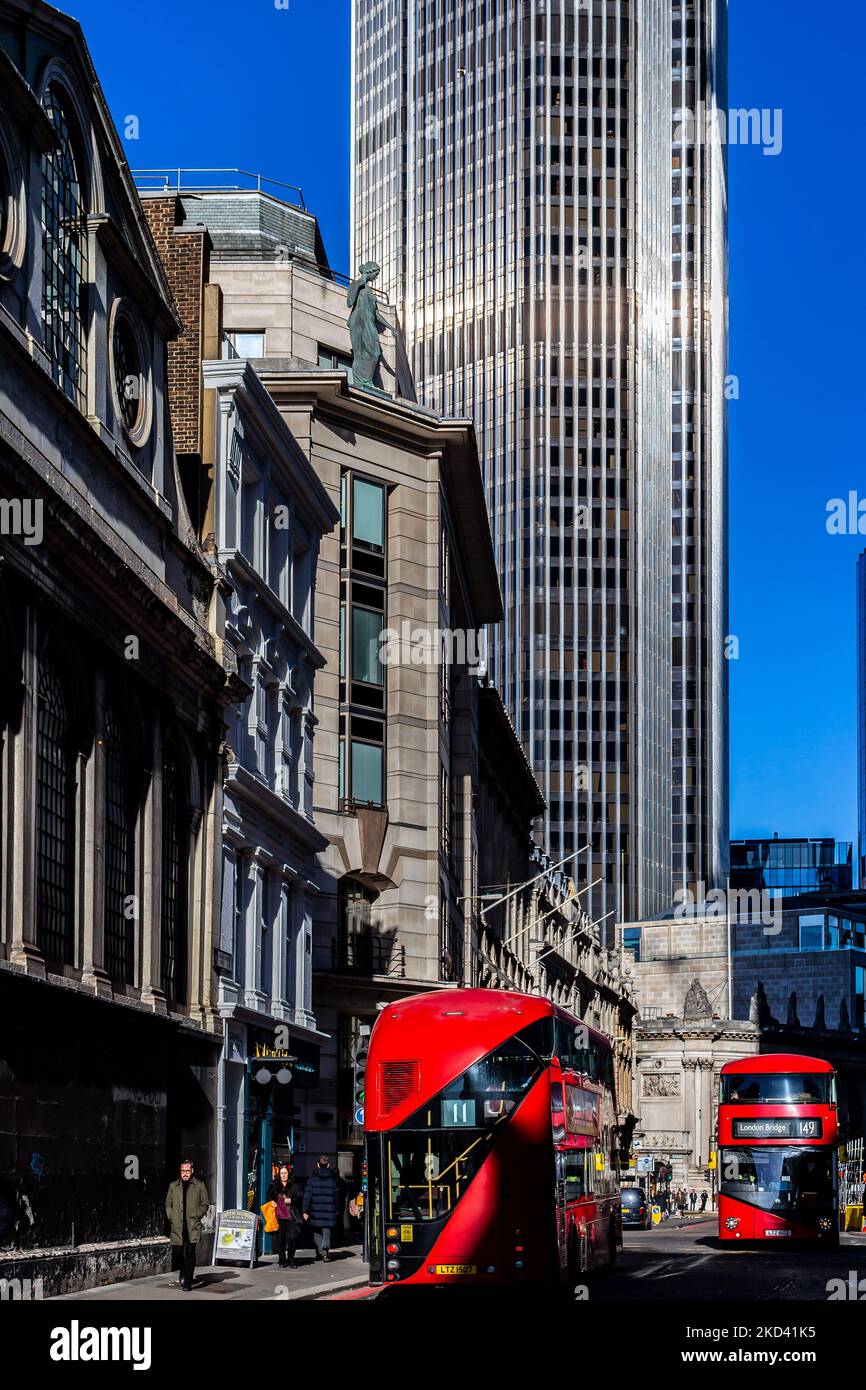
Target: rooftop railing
180, 181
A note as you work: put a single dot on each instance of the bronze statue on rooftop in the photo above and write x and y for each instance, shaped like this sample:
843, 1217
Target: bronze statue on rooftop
365, 327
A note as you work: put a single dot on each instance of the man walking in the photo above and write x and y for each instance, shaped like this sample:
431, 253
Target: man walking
186, 1203
693, 1198
703, 1201
320, 1205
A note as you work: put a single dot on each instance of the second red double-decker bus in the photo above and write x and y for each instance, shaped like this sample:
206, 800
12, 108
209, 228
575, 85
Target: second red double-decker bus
491, 1142
778, 1137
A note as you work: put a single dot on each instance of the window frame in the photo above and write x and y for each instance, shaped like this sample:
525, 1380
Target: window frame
68, 368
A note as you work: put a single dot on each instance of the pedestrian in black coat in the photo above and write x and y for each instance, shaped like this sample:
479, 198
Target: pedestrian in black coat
288, 1196
321, 1204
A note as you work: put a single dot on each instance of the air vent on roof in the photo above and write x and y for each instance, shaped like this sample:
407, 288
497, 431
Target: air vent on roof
400, 1080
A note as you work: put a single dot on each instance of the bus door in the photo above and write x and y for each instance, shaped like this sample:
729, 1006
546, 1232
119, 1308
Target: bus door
557, 1120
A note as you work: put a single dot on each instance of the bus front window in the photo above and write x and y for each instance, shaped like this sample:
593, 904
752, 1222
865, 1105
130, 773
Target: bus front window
432, 1157
787, 1181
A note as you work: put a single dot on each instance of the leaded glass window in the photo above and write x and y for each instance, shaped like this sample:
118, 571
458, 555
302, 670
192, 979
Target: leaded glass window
55, 820
128, 375
64, 255
175, 870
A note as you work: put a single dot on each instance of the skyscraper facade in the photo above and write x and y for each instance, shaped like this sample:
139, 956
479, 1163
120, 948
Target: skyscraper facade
699, 743
512, 175
861, 720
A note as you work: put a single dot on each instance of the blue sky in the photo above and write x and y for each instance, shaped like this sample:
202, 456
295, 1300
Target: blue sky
266, 89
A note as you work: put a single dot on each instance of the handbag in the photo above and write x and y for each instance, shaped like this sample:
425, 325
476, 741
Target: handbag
269, 1212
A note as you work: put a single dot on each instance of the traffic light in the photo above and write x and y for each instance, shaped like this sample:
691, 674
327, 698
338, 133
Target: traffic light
360, 1067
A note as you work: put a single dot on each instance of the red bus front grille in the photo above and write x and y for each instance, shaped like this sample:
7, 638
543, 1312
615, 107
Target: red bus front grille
400, 1080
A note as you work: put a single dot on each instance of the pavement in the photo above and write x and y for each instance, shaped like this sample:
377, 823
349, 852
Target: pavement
313, 1279
681, 1260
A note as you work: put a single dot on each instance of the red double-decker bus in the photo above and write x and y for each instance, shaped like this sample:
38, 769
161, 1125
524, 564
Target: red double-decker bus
778, 1137
491, 1142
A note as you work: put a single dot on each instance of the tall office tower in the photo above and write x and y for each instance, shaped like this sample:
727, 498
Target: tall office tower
512, 175
699, 533
861, 720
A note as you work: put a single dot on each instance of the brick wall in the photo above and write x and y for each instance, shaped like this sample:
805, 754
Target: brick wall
185, 253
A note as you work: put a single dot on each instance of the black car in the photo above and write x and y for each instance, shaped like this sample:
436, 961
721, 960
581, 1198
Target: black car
635, 1208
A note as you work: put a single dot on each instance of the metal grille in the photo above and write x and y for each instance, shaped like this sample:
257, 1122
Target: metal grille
55, 821
174, 880
64, 258
119, 853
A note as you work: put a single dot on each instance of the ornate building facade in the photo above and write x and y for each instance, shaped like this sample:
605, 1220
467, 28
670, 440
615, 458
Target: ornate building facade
112, 698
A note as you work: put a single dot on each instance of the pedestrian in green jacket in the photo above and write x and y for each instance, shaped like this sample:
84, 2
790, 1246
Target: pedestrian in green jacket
186, 1203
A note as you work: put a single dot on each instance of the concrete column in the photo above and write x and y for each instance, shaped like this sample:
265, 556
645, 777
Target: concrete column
92, 784
703, 1139
303, 960
689, 1094
21, 809
150, 905
282, 994
254, 996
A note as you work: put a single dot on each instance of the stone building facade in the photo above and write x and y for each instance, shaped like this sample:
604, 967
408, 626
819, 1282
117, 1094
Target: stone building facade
678, 1062
267, 515
112, 699
420, 785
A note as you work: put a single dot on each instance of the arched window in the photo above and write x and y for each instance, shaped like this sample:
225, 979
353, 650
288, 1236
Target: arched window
55, 820
175, 876
64, 253
119, 849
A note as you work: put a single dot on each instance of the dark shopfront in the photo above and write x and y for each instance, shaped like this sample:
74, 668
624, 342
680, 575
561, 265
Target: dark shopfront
98, 1104
276, 1081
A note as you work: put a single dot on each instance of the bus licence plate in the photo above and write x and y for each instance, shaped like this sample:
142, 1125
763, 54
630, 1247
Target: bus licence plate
778, 1233
456, 1269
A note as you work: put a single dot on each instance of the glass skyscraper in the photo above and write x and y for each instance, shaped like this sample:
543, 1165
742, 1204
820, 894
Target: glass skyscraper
512, 174
700, 390
861, 720
792, 866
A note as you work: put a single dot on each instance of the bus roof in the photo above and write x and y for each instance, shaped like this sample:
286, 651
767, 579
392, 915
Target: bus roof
794, 1062
480, 1006
408, 1038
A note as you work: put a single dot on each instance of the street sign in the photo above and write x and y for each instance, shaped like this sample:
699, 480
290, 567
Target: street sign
359, 1117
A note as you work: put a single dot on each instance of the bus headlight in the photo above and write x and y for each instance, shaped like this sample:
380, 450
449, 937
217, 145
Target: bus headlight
731, 1223
825, 1223
393, 1264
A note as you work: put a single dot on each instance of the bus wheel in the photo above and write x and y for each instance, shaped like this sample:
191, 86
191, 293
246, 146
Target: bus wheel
574, 1269
612, 1250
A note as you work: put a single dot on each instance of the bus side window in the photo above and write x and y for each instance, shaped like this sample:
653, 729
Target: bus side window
575, 1172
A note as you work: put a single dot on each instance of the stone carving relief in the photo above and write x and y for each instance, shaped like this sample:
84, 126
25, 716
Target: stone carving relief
662, 1084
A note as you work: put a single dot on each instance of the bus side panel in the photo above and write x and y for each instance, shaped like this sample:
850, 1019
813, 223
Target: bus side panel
512, 1192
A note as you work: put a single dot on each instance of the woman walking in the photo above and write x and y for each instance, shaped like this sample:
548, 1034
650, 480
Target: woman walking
321, 1205
289, 1197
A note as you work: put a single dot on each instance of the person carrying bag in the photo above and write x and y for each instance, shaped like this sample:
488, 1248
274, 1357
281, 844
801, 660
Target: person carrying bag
286, 1197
